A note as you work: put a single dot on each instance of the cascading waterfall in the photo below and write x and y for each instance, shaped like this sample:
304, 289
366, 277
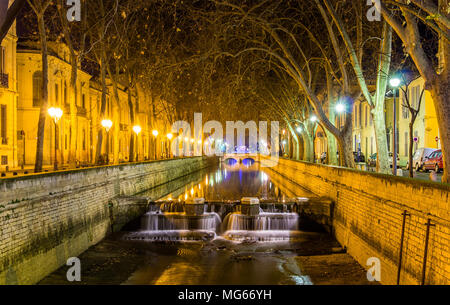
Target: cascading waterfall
262, 222
245, 220
156, 221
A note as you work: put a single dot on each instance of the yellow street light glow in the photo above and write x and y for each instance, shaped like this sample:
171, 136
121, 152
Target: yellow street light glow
155, 132
186, 139
169, 136
192, 140
55, 113
107, 124
137, 129
199, 142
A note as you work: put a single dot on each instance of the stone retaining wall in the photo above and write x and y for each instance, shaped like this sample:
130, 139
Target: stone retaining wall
367, 218
47, 218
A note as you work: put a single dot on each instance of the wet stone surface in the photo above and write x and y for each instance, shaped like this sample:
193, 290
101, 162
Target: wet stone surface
316, 259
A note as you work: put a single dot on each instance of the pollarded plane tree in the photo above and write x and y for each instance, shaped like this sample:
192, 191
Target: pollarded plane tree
262, 30
408, 19
39, 8
358, 38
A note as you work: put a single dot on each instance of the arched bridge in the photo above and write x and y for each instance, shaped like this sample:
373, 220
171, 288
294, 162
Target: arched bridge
235, 158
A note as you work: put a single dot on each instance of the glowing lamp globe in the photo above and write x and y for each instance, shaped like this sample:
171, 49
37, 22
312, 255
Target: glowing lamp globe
394, 82
107, 124
137, 129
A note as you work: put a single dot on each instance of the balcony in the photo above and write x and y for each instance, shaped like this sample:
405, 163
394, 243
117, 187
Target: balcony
4, 80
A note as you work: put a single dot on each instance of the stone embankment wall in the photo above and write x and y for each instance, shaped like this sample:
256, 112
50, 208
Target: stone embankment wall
367, 218
47, 218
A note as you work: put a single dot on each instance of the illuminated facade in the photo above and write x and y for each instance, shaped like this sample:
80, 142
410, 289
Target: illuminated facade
8, 101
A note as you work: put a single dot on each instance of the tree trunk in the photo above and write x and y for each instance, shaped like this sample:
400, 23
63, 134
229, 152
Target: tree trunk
308, 148
133, 121
411, 143
441, 99
98, 151
378, 114
73, 95
332, 149
44, 102
379, 122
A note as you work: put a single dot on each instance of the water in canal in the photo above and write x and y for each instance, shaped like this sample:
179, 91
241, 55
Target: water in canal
221, 244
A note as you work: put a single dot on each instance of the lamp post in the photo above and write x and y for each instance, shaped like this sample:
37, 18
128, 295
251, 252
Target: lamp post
155, 135
394, 82
169, 137
137, 129
55, 114
107, 124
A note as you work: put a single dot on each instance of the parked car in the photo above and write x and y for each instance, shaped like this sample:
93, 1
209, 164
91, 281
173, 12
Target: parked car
434, 162
359, 157
419, 157
372, 160
390, 160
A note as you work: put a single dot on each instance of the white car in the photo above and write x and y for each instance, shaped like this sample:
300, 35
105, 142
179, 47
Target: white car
419, 157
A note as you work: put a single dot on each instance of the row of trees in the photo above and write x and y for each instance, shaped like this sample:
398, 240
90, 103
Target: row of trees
242, 60
330, 52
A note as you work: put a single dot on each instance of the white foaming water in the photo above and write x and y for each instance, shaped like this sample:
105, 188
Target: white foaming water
154, 221
262, 222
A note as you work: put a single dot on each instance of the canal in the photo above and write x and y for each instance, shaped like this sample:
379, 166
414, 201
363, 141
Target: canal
136, 256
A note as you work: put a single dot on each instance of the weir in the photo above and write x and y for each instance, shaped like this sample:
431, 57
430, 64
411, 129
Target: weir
244, 220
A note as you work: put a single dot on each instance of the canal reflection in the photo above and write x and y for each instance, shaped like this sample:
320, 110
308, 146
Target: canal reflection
233, 181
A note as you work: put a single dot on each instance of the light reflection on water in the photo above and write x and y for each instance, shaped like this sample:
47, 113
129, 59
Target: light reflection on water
234, 181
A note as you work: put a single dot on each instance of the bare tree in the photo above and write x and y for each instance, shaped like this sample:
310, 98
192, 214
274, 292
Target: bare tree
39, 7
437, 77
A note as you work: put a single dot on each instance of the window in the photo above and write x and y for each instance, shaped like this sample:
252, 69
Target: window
65, 142
365, 115
66, 102
83, 101
2, 60
359, 116
367, 145
37, 89
57, 94
84, 139
371, 145
3, 133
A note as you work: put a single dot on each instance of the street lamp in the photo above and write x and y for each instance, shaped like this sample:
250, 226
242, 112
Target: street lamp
313, 118
394, 82
299, 129
55, 114
155, 135
137, 130
107, 124
340, 108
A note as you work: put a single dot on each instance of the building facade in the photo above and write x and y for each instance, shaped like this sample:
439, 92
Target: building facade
8, 101
425, 127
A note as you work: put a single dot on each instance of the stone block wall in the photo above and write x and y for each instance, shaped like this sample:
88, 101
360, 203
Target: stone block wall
47, 218
367, 218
